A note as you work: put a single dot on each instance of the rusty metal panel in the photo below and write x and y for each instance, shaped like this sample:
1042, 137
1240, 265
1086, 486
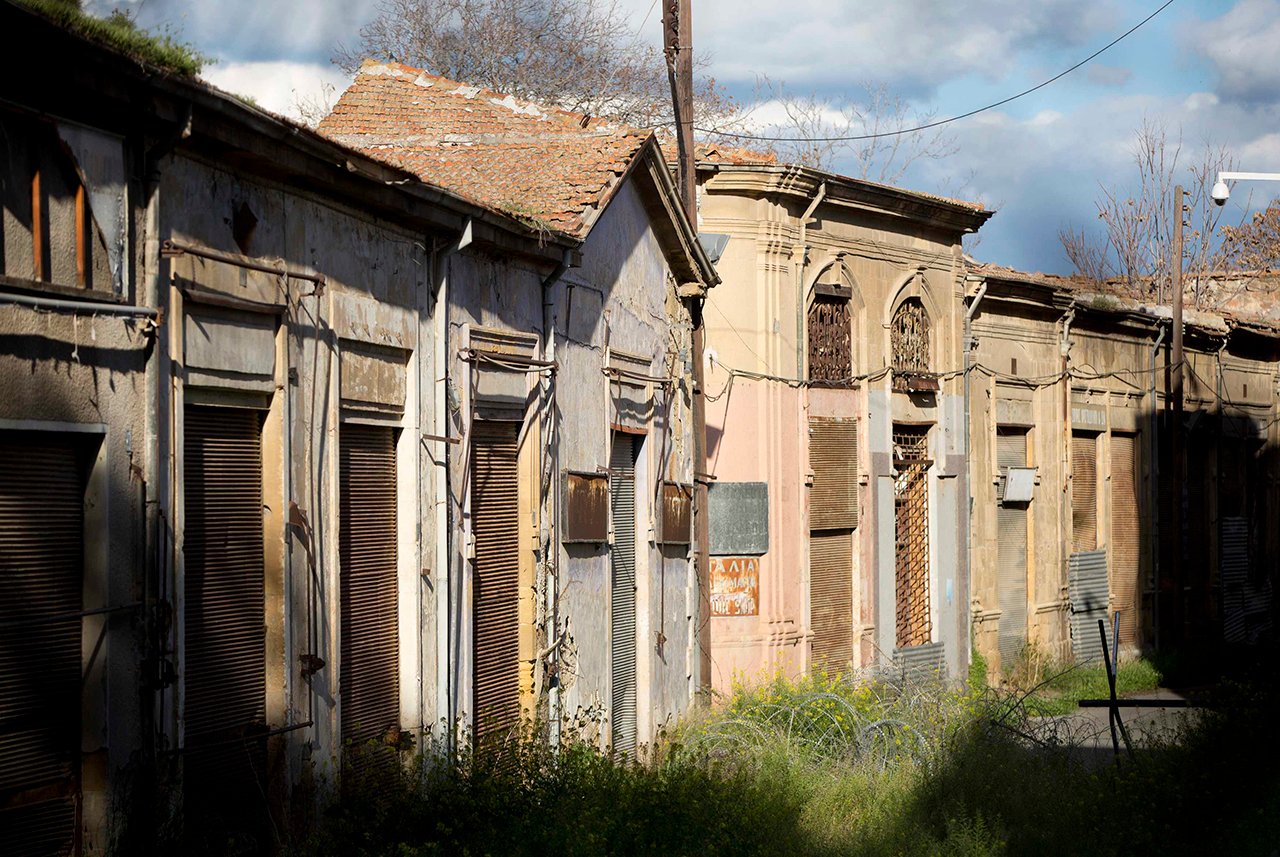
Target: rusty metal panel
41, 585
1084, 492
224, 645
677, 514
1011, 555
495, 528
586, 508
830, 341
622, 554
911, 535
369, 671
735, 586
1126, 534
831, 598
833, 458
373, 378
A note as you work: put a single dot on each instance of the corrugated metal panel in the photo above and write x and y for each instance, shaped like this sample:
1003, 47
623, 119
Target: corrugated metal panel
1126, 534
921, 662
224, 656
41, 577
370, 667
1084, 493
622, 497
831, 598
1011, 556
833, 458
1088, 590
495, 526
1235, 576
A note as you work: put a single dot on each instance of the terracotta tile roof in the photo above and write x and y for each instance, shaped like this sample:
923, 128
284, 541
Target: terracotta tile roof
552, 168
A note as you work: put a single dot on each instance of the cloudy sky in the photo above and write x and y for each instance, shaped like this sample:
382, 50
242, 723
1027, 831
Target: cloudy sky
1207, 69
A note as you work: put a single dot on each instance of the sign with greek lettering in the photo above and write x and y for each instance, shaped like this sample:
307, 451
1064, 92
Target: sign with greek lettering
735, 586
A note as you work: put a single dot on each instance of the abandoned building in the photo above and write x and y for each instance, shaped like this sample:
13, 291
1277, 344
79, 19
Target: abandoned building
1071, 386
835, 422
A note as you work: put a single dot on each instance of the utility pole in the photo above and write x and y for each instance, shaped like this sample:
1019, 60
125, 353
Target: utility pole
1178, 471
677, 38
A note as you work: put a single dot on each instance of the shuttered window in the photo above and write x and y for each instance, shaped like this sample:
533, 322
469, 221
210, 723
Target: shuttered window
1126, 534
1084, 492
224, 656
831, 598
495, 526
370, 667
1011, 555
41, 585
622, 599
833, 458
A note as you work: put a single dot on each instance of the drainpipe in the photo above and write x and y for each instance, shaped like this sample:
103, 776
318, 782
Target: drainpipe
1153, 469
551, 548
968, 509
445, 690
1064, 510
800, 268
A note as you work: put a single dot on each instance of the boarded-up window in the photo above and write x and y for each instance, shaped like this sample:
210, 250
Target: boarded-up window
830, 341
495, 527
833, 458
622, 553
831, 598
1011, 554
1126, 535
224, 656
41, 586
1084, 492
370, 667
911, 535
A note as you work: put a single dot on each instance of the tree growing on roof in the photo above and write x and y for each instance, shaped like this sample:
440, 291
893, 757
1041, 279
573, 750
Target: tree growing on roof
581, 55
1135, 242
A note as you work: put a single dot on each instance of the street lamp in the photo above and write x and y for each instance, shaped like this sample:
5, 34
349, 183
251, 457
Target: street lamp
1220, 190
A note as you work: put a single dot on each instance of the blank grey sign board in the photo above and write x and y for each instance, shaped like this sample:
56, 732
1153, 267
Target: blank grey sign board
738, 516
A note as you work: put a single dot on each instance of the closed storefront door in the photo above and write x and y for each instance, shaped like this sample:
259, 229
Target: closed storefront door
224, 658
1011, 554
622, 601
495, 526
911, 535
370, 667
41, 585
833, 515
1125, 535
1084, 492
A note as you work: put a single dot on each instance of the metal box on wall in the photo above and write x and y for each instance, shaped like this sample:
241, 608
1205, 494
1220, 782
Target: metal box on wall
585, 518
676, 524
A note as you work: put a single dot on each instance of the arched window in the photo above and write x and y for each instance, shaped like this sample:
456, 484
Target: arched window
830, 341
909, 338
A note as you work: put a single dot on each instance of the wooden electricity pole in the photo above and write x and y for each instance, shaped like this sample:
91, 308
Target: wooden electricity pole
677, 39
1178, 471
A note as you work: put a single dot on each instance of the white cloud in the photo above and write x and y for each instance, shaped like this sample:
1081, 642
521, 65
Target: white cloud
1241, 46
280, 86
1109, 75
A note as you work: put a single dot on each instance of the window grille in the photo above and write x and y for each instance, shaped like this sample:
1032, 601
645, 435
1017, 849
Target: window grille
909, 343
830, 341
911, 535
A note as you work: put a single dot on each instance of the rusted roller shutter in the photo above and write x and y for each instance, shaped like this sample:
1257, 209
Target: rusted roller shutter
1126, 534
495, 526
41, 585
223, 656
622, 498
833, 458
831, 598
1011, 556
1084, 493
370, 667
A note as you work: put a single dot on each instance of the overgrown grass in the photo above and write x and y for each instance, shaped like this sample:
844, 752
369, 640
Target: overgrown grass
795, 767
119, 32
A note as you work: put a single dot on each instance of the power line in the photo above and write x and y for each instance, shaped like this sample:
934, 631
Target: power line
940, 122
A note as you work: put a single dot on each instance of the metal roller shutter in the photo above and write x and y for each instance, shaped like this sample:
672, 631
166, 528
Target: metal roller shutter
622, 499
1126, 534
495, 526
224, 654
41, 585
370, 667
833, 458
831, 598
1011, 556
1084, 493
